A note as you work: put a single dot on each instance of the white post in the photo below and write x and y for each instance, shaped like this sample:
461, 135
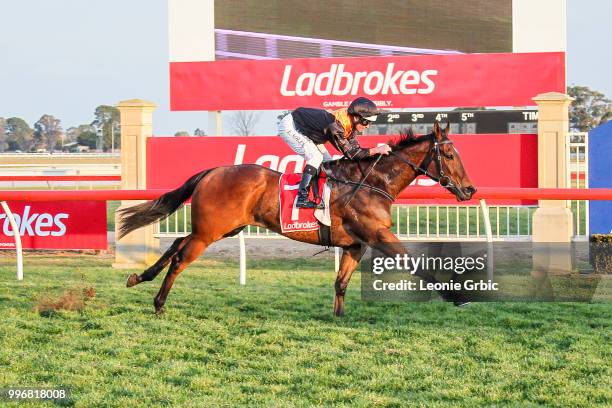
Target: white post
487, 219
215, 123
489, 232
242, 259
18, 249
337, 258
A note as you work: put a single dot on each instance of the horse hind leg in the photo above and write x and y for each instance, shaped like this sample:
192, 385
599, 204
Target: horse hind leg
154, 270
193, 247
348, 263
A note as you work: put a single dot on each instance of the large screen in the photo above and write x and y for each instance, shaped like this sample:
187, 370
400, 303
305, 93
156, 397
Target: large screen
458, 25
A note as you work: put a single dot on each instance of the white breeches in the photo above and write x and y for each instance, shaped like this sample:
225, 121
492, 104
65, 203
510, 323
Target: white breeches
302, 145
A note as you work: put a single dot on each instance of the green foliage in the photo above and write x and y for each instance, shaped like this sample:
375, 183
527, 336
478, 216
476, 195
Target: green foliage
73, 132
3, 136
589, 108
275, 342
47, 131
181, 133
107, 120
84, 135
88, 138
601, 238
19, 134
601, 253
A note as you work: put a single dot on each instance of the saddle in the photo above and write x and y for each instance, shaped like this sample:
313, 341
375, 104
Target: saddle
293, 219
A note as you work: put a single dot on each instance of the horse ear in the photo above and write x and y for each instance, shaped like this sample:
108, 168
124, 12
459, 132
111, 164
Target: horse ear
437, 132
447, 128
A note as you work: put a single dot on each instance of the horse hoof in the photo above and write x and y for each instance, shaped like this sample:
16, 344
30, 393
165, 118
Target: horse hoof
159, 311
132, 280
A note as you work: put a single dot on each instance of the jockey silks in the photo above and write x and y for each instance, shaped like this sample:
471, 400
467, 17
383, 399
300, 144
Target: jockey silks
321, 126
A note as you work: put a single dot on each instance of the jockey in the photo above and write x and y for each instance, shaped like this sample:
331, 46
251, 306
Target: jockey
306, 130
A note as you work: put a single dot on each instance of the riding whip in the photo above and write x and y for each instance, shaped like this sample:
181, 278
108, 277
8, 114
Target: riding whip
362, 181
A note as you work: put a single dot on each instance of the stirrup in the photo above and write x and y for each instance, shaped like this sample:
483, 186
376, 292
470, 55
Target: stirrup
309, 204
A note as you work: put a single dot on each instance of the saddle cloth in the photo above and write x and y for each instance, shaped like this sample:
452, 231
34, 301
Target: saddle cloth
301, 219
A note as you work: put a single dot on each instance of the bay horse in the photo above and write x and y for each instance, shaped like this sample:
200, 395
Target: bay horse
224, 200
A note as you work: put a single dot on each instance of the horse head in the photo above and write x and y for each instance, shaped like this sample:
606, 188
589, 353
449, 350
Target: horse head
446, 166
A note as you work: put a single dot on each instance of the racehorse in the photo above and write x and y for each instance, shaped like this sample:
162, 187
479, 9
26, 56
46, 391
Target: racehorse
224, 200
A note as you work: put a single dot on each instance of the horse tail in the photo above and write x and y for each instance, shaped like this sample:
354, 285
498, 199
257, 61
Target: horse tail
144, 214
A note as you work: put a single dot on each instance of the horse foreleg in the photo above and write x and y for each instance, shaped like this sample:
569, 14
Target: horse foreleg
161, 263
387, 243
192, 248
348, 263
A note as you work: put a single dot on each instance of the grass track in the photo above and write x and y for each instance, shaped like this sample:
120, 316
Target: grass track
275, 342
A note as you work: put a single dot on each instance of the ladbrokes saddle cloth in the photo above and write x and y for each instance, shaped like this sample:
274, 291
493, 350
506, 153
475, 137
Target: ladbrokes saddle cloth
301, 219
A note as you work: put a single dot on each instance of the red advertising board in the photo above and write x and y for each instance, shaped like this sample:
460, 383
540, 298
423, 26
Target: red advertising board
56, 225
510, 79
508, 160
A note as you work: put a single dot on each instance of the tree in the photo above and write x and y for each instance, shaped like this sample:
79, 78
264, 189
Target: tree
589, 108
20, 135
47, 130
88, 136
181, 133
199, 132
106, 123
84, 135
243, 122
3, 136
71, 135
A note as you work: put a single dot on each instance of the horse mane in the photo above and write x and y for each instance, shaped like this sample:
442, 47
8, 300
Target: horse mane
407, 138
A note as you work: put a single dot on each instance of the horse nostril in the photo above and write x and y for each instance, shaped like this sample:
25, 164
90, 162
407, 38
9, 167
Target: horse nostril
470, 190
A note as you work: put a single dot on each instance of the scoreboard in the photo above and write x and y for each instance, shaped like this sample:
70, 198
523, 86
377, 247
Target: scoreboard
462, 121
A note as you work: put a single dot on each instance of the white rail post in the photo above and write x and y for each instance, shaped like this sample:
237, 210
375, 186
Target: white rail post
242, 259
489, 232
18, 248
337, 259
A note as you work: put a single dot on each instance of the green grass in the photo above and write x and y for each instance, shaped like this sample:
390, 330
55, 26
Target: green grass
275, 342
111, 208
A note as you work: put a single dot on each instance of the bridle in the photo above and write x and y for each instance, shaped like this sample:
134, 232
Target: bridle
435, 156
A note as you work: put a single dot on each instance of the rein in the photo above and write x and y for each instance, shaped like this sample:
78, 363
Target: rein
363, 180
436, 157
362, 184
433, 155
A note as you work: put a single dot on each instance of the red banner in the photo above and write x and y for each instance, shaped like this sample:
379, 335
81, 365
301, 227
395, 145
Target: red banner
56, 225
392, 82
507, 160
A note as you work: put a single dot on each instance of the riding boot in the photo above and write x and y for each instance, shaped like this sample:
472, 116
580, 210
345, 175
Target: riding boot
308, 176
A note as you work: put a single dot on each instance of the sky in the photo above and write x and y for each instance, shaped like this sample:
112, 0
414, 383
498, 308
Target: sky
66, 57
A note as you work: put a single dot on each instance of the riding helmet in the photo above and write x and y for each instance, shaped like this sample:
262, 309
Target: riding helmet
365, 108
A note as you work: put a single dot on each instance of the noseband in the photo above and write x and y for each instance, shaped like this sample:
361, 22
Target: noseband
435, 156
